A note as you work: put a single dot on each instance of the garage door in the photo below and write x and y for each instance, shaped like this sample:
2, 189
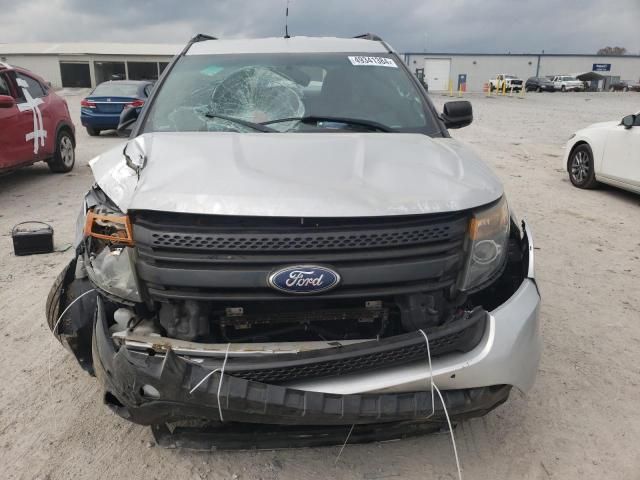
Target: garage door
436, 72
75, 74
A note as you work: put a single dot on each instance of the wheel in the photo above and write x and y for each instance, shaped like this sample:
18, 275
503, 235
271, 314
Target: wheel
581, 171
625, 89
94, 132
539, 90
64, 157
563, 88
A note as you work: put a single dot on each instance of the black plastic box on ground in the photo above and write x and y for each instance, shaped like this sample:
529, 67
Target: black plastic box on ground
32, 237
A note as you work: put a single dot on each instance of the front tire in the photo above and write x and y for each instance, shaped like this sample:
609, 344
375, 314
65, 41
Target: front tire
64, 157
581, 169
94, 132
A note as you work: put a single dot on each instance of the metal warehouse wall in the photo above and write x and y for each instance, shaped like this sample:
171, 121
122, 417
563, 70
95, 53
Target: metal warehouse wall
627, 68
480, 68
46, 66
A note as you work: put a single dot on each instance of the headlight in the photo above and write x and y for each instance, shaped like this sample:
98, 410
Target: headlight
486, 244
105, 225
110, 257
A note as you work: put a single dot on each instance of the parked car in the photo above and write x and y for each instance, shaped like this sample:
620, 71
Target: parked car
101, 109
567, 83
287, 229
607, 152
624, 86
539, 84
35, 124
507, 82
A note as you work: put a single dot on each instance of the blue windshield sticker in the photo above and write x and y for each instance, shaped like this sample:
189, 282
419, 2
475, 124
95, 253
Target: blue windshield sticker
373, 61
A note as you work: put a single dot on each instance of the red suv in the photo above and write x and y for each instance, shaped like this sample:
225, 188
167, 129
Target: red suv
35, 124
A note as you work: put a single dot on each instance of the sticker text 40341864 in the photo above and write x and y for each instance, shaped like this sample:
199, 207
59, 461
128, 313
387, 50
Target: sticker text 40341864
373, 61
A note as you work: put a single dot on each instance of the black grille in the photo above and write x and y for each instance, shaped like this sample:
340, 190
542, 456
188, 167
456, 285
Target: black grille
209, 257
459, 336
357, 364
318, 241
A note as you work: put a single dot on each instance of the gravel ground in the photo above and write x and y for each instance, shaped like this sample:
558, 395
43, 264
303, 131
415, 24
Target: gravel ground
579, 421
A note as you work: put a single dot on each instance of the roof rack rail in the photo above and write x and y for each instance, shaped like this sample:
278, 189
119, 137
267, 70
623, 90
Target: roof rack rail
369, 36
201, 37
375, 38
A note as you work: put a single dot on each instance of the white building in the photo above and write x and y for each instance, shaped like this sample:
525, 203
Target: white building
88, 64
479, 68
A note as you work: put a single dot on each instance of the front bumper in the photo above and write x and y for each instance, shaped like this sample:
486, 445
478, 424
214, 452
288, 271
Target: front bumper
127, 375
152, 388
472, 383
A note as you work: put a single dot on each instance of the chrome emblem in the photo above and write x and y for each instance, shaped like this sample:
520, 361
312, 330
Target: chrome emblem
304, 279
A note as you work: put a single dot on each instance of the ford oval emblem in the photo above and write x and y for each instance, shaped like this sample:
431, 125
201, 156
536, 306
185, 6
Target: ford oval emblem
304, 279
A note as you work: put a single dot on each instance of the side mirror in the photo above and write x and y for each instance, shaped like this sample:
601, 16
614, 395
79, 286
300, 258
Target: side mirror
128, 118
629, 121
6, 101
457, 114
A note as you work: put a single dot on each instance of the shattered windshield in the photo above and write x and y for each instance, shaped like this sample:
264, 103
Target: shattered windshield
312, 92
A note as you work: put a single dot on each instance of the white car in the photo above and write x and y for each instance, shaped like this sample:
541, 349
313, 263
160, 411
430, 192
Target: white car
506, 82
567, 83
607, 152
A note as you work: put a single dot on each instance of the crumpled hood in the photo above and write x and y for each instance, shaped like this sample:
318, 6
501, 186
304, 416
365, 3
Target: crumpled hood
298, 175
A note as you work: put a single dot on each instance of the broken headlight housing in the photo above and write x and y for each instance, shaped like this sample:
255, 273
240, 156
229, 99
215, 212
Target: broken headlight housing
487, 242
109, 242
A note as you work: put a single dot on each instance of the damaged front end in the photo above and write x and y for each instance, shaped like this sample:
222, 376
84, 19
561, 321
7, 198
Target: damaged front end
185, 325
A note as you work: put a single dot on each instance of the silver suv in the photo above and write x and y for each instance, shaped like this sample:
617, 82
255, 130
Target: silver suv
286, 228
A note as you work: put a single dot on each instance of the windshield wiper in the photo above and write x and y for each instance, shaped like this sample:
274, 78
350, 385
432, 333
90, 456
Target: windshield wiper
255, 126
370, 124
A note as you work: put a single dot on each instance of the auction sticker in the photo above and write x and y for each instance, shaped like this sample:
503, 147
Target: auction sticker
373, 61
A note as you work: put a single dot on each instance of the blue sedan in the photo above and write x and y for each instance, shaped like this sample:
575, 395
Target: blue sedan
101, 109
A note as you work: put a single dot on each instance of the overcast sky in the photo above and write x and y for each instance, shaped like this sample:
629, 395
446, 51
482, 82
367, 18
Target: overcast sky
557, 26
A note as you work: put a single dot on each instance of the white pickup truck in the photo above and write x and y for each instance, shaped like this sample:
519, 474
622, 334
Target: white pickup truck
506, 81
567, 83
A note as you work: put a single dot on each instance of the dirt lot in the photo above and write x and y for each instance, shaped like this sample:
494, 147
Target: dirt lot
579, 422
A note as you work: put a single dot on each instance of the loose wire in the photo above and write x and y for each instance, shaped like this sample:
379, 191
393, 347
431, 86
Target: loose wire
444, 406
433, 403
453, 440
344, 444
224, 364
221, 370
53, 330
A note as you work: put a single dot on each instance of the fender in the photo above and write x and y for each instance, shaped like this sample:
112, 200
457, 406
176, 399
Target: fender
62, 124
70, 126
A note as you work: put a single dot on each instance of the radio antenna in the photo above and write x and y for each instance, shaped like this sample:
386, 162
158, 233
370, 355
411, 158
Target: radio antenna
286, 22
